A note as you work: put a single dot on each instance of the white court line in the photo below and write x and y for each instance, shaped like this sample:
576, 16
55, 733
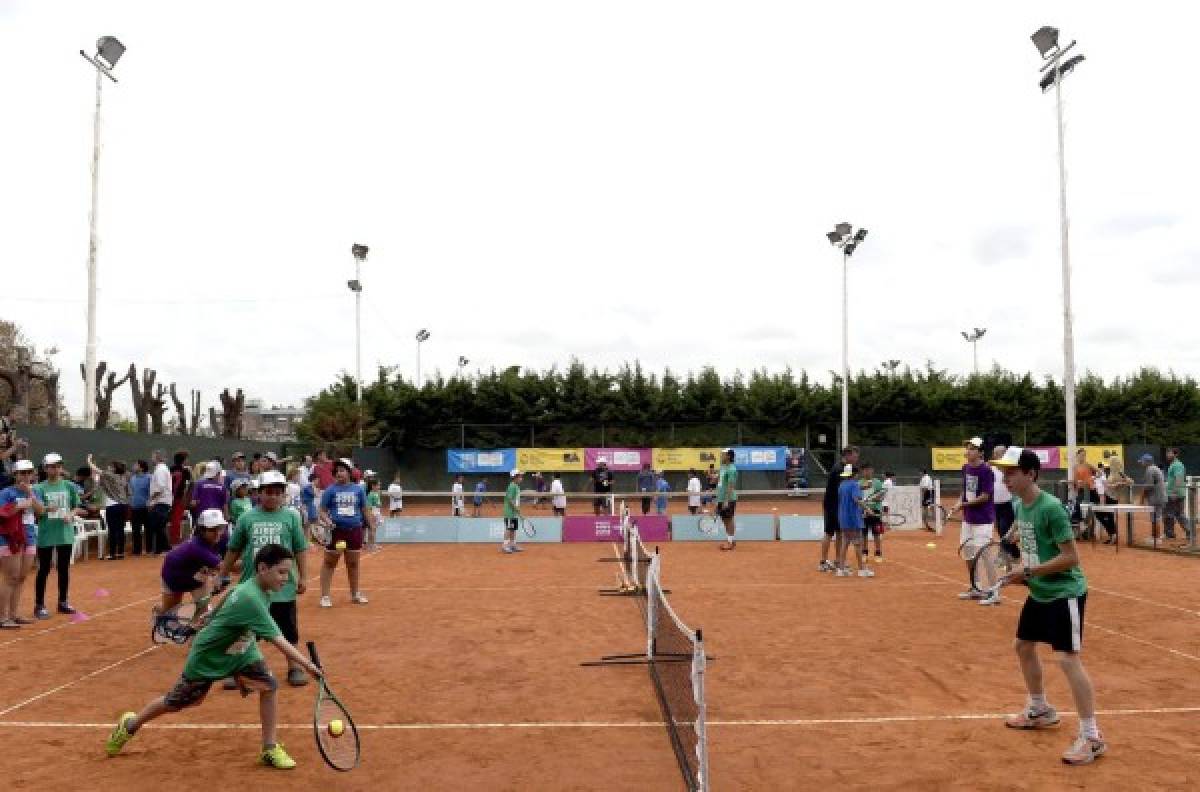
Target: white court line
1143, 600
849, 721
681, 587
86, 676
35, 634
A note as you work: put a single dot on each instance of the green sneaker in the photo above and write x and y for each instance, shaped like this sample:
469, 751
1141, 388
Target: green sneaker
120, 734
277, 757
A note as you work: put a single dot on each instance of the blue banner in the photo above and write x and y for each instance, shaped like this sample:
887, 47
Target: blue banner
760, 457
474, 460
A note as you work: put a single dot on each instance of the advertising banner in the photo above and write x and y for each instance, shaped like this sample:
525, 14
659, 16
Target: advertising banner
686, 458
474, 460
550, 460
748, 527
952, 458
760, 457
618, 459
607, 528
1095, 453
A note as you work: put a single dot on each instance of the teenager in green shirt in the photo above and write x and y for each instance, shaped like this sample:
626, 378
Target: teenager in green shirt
1053, 612
227, 646
240, 503
512, 511
273, 523
727, 497
56, 534
1176, 491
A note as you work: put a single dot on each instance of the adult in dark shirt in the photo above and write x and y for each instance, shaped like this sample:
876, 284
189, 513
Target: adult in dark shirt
181, 493
829, 507
602, 479
646, 485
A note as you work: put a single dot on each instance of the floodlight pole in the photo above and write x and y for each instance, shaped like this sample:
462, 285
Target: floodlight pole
360, 254
845, 348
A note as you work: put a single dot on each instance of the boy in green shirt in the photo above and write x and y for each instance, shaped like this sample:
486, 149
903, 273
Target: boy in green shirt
1176, 491
273, 523
512, 511
1053, 612
240, 503
56, 534
727, 497
872, 493
226, 646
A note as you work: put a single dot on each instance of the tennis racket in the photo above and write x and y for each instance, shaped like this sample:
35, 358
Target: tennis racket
174, 626
320, 532
893, 520
707, 524
969, 550
339, 749
528, 527
991, 566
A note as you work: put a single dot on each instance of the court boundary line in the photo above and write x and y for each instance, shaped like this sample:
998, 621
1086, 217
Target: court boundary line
1143, 600
35, 633
864, 720
85, 677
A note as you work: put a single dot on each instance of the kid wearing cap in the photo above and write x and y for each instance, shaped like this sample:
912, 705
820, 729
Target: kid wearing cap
344, 508
850, 523
1053, 612
979, 512
727, 497
512, 512
191, 566
20, 507
56, 534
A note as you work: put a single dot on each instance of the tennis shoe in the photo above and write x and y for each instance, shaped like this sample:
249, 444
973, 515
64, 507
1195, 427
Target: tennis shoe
1030, 719
277, 757
63, 607
41, 613
296, 677
842, 572
864, 572
517, 549
120, 734
1085, 750
971, 594
358, 598
326, 602
507, 549
825, 566
878, 559
991, 599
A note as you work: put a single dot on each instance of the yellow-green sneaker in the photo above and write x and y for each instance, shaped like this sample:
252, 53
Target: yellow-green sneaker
120, 734
277, 757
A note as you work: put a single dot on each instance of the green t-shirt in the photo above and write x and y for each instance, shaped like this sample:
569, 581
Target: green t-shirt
238, 507
373, 500
55, 527
230, 641
256, 529
1042, 527
512, 500
873, 506
1176, 479
727, 484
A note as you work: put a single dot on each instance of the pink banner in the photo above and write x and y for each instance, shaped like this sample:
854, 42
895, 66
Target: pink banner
652, 527
1050, 456
618, 459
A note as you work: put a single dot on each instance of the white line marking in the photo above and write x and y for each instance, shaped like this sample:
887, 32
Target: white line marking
1142, 600
680, 587
1176, 652
65, 625
86, 676
851, 721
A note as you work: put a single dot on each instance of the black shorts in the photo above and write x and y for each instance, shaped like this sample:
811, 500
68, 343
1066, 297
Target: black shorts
1004, 518
190, 692
873, 526
284, 614
512, 523
926, 497
728, 510
831, 524
1058, 623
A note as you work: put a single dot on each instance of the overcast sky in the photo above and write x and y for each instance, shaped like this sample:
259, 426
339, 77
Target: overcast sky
605, 180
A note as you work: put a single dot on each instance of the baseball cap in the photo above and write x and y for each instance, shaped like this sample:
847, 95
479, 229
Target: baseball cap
211, 469
241, 482
1146, 459
1017, 457
975, 442
210, 518
514, 473
239, 455
52, 459
343, 462
847, 471
271, 456
22, 464
271, 477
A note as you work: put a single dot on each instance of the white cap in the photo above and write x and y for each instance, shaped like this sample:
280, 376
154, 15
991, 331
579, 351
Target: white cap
22, 465
977, 442
349, 463
210, 518
271, 456
271, 477
514, 473
848, 471
212, 469
727, 451
254, 483
369, 473
52, 459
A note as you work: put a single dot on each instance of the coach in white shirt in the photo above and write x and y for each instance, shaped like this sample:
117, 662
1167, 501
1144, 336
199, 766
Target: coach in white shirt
456, 497
159, 505
558, 497
694, 491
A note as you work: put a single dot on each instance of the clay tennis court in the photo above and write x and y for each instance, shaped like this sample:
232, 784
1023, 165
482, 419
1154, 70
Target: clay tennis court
464, 673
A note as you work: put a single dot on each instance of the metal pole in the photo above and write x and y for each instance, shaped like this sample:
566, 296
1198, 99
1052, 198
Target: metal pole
89, 374
358, 345
1068, 335
418, 365
845, 353
975, 355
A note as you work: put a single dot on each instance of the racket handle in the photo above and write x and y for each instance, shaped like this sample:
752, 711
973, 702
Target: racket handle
312, 652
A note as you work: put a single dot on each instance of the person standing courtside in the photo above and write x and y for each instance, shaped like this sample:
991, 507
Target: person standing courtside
602, 479
1176, 492
1154, 492
978, 509
829, 508
1004, 516
727, 497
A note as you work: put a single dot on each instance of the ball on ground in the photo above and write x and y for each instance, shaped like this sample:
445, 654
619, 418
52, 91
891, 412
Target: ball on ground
336, 728
930, 545
340, 546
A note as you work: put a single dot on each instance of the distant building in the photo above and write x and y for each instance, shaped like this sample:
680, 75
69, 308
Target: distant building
274, 423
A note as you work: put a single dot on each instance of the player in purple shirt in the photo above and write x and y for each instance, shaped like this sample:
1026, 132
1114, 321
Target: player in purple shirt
978, 509
209, 492
191, 567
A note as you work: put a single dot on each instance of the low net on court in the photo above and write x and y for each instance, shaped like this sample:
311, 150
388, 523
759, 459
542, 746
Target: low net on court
635, 556
675, 655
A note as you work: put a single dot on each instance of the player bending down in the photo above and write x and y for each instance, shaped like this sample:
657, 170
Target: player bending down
1053, 612
227, 646
191, 567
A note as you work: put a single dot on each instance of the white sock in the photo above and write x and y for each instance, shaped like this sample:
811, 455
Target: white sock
1088, 728
1037, 702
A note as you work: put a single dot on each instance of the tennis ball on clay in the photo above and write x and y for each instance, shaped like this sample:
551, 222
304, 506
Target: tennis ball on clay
930, 545
339, 546
336, 728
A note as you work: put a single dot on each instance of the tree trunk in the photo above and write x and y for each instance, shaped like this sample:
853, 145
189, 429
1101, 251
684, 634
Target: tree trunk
104, 392
195, 413
214, 422
142, 396
183, 417
158, 406
234, 407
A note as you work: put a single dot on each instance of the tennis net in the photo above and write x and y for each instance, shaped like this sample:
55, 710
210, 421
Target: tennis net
635, 556
675, 655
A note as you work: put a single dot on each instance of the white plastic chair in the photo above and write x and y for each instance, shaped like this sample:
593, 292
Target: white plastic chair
85, 530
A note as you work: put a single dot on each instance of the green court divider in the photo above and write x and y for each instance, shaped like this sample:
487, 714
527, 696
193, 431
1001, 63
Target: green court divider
748, 527
801, 529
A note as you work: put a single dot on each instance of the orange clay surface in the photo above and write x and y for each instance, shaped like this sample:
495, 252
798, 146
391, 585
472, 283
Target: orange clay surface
464, 673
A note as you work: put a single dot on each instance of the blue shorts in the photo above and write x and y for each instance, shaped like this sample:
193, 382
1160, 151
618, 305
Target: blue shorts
30, 543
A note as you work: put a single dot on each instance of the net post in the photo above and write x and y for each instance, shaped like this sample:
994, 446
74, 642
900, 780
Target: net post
937, 506
699, 663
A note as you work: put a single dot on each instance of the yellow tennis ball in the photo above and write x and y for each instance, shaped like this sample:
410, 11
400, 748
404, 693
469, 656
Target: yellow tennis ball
336, 728
930, 545
339, 546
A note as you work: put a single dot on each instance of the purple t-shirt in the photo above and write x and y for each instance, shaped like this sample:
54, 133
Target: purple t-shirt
184, 561
977, 480
208, 494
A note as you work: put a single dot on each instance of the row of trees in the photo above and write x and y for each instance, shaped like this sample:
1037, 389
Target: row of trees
581, 406
149, 399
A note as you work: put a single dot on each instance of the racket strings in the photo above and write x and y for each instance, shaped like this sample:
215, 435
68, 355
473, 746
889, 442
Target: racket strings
340, 751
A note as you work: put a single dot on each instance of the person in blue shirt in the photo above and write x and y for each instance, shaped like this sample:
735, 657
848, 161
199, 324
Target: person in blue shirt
139, 508
344, 508
850, 522
25, 504
645, 485
662, 487
308, 497
477, 501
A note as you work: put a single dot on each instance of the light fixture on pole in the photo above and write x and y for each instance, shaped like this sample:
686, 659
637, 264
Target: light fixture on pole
845, 237
973, 339
422, 336
891, 366
1055, 68
462, 362
360, 255
108, 51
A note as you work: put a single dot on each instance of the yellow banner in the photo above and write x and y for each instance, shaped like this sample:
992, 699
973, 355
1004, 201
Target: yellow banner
949, 458
533, 460
1095, 454
685, 458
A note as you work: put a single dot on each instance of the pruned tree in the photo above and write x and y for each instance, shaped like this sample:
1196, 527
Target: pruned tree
104, 391
142, 396
182, 423
234, 407
158, 407
214, 422
195, 412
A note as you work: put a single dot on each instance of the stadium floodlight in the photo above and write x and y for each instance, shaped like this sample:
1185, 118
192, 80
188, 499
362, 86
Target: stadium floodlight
860, 235
462, 362
1055, 69
359, 252
422, 336
834, 238
845, 237
843, 228
108, 51
973, 339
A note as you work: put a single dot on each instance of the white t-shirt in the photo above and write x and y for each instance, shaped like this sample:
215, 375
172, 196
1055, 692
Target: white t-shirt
456, 497
694, 489
395, 497
160, 486
926, 482
1000, 493
1100, 482
559, 500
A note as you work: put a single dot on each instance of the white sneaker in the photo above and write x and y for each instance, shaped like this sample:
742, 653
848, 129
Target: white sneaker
326, 602
842, 572
991, 599
825, 566
358, 598
864, 572
971, 594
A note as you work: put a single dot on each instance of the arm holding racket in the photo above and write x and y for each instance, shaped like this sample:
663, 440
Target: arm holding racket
1067, 558
295, 656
